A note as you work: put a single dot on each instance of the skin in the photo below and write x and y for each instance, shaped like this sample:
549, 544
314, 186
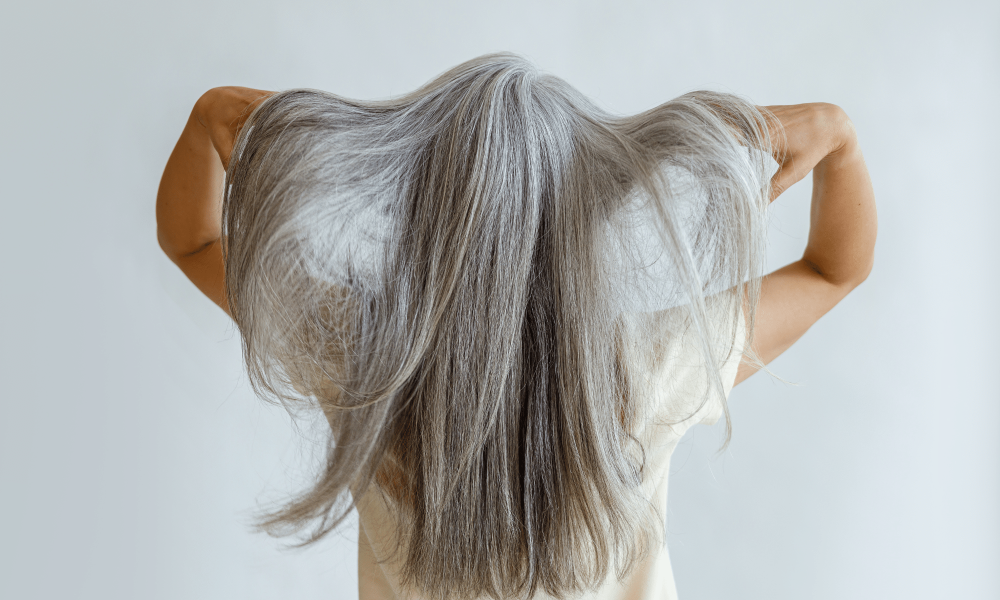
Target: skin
819, 137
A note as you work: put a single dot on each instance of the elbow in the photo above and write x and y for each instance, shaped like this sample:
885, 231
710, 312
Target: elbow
188, 248
165, 245
841, 276
866, 270
169, 246
859, 274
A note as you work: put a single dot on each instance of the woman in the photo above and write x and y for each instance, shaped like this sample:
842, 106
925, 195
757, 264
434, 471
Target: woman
509, 304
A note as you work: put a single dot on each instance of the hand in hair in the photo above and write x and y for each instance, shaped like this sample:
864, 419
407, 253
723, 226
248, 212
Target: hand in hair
222, 111
811, 132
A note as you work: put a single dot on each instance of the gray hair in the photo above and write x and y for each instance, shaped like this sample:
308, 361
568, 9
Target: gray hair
438, 273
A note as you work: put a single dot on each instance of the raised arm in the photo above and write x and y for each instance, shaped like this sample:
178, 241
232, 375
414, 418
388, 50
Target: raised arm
189, 200
840, 251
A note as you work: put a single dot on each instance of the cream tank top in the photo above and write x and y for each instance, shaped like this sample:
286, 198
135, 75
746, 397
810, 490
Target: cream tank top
676, 382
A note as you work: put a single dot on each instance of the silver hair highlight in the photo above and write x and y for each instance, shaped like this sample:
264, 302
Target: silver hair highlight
457, 277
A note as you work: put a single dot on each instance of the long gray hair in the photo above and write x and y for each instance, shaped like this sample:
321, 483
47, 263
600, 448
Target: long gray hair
449, 276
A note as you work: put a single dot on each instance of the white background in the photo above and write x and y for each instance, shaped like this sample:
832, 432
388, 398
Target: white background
133, 452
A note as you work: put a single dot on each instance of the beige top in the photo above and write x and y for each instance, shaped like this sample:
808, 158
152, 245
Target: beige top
677, 381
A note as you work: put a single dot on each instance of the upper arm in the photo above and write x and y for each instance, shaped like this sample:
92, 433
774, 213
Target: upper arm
791, 300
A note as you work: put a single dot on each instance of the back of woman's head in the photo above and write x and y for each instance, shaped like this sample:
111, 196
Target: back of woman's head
438, 273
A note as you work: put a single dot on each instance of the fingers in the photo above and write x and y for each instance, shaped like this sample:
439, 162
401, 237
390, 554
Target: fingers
801, 135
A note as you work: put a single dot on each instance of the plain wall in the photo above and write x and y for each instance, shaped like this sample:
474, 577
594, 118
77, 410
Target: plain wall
133, 452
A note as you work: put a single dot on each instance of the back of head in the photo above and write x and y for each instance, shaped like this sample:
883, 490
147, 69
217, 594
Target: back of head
433, 271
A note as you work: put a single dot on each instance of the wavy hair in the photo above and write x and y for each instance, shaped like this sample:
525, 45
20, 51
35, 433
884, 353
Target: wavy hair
450, 276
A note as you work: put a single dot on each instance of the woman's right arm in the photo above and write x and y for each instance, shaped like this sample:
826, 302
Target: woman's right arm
840, 250
189, 200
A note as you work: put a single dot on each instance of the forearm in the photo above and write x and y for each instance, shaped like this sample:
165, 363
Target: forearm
843, 220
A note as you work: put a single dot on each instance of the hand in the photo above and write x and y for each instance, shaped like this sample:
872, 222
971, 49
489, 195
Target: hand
222, 111
812, 132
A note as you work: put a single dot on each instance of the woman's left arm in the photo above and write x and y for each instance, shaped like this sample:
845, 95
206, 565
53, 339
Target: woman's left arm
189, 200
